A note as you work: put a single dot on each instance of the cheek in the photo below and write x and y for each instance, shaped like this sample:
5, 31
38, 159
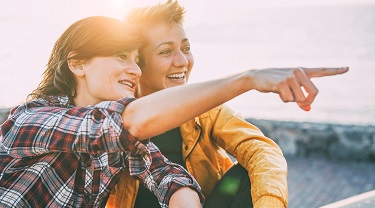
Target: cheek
191, 63
156, 69
98, 84
190, 59
101, 81
147, 74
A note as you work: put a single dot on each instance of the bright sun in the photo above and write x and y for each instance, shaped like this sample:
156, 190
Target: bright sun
119, 3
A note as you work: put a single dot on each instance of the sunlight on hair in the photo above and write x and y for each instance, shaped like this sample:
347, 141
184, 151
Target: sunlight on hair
119, 3
126, 5
134, 3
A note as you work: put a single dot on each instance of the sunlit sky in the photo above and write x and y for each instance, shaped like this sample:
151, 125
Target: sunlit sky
71, 10
22, 62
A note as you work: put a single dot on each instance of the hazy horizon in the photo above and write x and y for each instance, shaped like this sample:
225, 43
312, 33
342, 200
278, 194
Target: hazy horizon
226, 38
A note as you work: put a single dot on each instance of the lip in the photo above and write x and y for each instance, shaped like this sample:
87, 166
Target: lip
176, 76
123, 81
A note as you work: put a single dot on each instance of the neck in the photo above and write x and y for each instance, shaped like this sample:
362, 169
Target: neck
141, 92
83, 99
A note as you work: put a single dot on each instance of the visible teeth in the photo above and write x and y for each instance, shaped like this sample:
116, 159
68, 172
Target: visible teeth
126, 83
177, 76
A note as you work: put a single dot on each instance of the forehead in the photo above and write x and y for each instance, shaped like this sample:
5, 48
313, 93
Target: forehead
164, 32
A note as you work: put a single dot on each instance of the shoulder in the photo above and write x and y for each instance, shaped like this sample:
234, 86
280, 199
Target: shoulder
220, 112
218, 116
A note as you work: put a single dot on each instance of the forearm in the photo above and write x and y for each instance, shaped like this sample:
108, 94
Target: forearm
169, 108
185, 198
267, 170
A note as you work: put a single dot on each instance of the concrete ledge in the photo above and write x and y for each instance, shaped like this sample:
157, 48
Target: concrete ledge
344, 142
4, 112
365, 200
331, 141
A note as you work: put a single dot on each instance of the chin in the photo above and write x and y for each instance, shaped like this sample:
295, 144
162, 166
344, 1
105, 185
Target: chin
176, 84
122, 96
131, 95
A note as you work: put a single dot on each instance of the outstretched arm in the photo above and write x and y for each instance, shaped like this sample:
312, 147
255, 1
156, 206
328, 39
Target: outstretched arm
166, 109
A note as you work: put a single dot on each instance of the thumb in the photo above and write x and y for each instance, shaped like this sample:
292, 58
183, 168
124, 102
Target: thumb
304, 107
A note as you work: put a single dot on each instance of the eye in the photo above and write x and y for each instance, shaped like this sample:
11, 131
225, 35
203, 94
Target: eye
122, 56
136, 59
166, 51
186, 49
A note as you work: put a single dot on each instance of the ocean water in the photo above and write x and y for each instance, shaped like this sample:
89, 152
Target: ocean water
226, 41
321, 36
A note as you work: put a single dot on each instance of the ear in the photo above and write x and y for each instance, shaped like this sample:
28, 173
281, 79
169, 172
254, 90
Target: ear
75, 65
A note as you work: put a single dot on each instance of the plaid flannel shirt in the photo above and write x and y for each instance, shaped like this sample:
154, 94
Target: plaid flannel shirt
57, 155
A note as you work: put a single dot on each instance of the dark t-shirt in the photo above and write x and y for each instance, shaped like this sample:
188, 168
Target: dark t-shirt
170, 144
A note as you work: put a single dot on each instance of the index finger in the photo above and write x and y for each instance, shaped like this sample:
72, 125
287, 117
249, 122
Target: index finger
324, 71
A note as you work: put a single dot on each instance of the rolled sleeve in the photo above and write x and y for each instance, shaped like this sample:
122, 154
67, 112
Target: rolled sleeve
162, 177
37, 127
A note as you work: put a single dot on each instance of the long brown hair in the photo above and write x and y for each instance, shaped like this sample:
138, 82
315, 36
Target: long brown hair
89, 37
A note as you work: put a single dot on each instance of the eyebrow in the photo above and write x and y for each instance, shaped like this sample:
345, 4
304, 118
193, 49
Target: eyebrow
170, 43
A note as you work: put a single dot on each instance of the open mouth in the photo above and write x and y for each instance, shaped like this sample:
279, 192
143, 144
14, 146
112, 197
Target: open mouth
177, 76
127, 83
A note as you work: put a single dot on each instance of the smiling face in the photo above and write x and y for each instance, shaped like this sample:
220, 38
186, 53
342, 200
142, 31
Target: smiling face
167, 59
106, 78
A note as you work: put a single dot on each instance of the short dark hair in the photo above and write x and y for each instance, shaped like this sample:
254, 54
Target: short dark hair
169, 12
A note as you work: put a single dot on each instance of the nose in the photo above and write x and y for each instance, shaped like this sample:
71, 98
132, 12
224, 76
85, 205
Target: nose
134, 70
180, 59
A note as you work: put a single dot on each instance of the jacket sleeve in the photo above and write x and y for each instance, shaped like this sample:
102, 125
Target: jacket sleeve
261, 156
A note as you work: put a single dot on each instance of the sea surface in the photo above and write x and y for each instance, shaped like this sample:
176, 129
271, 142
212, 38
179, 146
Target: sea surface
321, 36
226, 41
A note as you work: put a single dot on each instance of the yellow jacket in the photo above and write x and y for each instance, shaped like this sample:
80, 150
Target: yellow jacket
206, 139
